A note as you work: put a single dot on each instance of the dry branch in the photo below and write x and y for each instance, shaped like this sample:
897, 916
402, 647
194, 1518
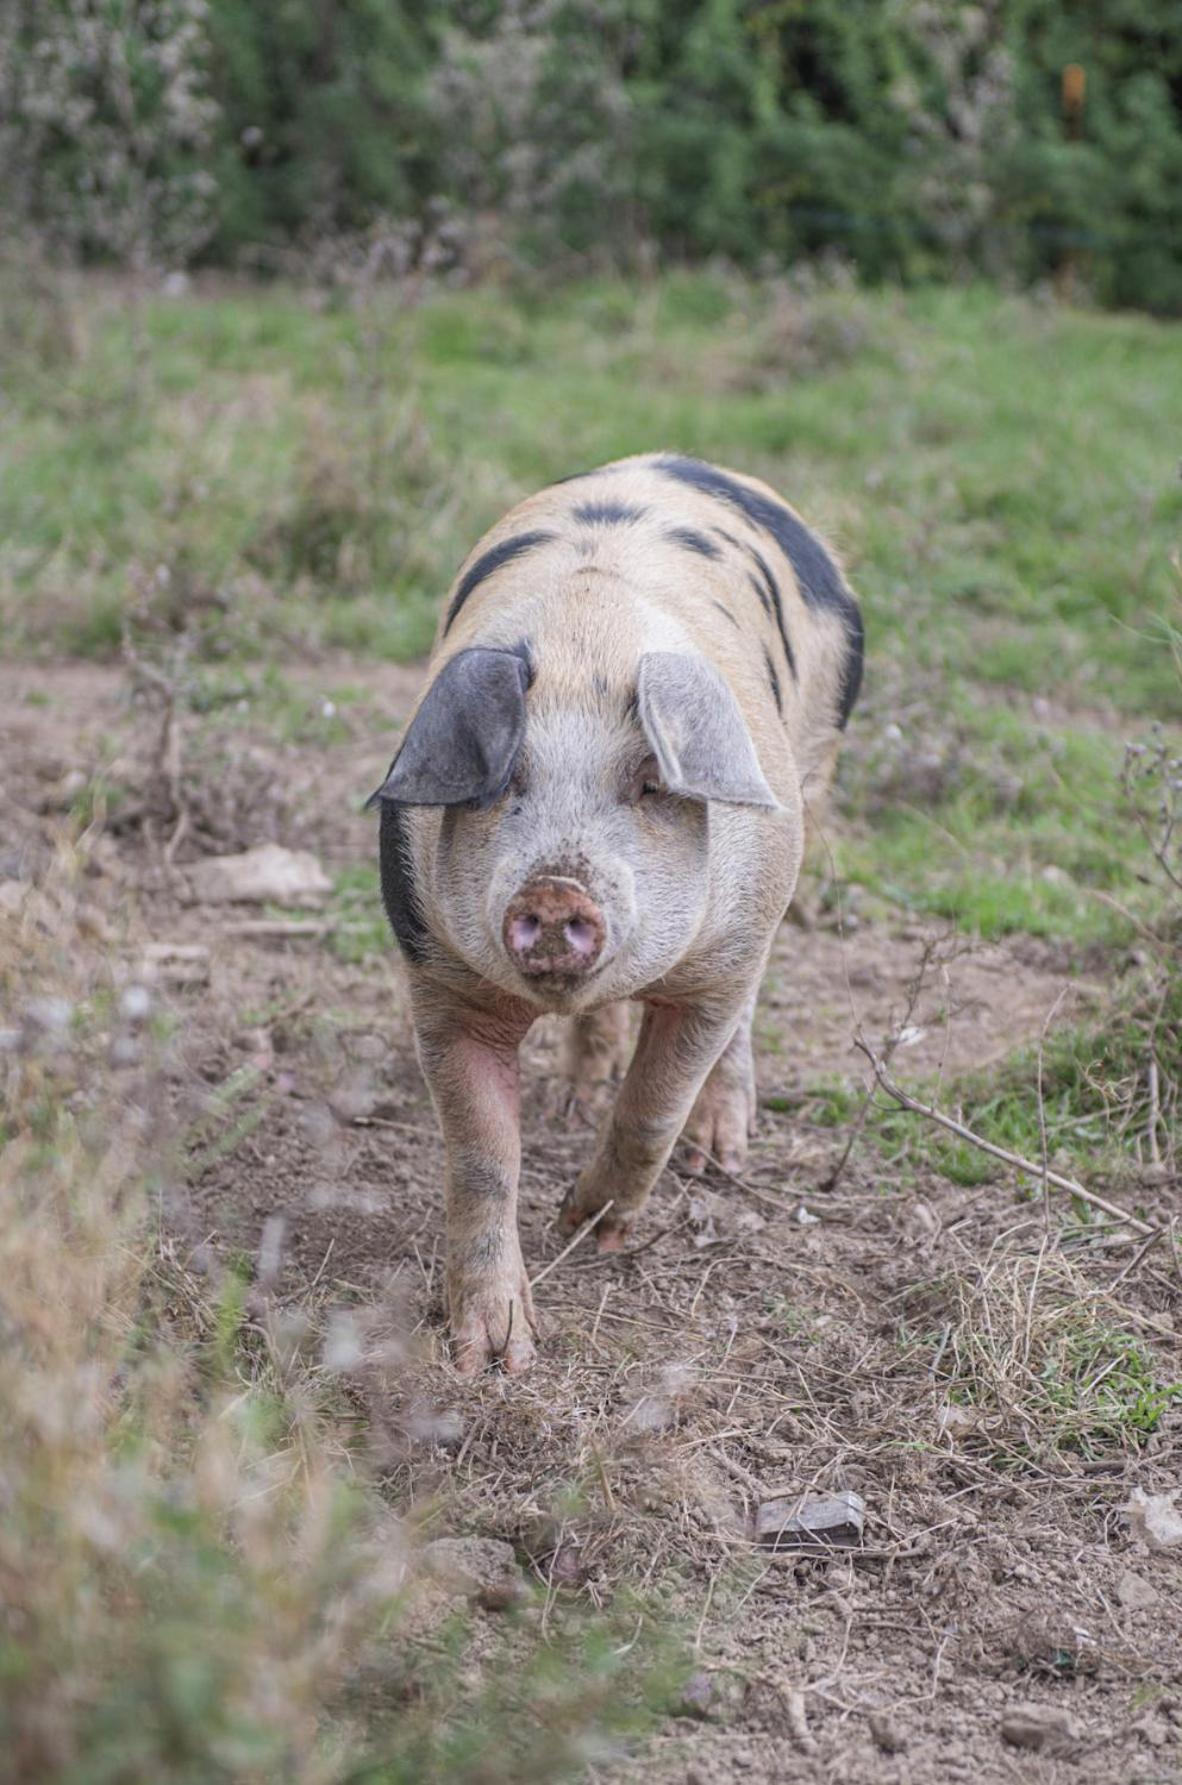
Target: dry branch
1042, 1173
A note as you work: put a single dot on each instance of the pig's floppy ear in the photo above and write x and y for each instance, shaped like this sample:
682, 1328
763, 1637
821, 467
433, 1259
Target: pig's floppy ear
464, 739
702, 746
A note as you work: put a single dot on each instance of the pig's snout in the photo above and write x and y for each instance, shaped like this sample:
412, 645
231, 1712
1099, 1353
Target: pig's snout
553, 927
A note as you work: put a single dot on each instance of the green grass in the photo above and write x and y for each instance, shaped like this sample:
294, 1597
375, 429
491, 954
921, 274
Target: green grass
1001, 477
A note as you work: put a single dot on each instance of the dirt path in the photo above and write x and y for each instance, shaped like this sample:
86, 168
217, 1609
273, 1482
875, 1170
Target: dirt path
879, 1337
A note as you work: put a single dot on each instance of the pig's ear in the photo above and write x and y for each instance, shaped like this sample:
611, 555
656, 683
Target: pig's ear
464, 739
696, 730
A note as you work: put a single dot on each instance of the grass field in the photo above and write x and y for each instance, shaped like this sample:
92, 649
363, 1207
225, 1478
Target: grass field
999, 477
226, 1416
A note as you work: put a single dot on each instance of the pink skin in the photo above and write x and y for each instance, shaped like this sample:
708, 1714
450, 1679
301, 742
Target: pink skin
723, 1116
469, 1056
678, 1045
553, 928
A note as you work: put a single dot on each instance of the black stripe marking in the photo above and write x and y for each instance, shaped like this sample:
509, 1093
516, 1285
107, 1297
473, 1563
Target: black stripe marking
399, 894
693, 541
851, 671
761, 591
777, 607
493, 559
608, 514
774, 679
728, 615
821, 583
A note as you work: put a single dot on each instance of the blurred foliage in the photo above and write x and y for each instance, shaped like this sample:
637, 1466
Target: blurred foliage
923, 137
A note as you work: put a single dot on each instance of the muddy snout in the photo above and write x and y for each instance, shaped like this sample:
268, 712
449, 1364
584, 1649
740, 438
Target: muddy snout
553, 928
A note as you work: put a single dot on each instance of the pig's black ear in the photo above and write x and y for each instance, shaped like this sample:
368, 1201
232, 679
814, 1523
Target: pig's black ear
464, 739
696, 731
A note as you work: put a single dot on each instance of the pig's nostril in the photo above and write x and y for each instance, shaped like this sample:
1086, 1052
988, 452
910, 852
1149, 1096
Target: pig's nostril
523, 933
551, 927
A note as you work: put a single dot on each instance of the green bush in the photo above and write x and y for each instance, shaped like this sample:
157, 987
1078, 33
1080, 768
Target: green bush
924, 139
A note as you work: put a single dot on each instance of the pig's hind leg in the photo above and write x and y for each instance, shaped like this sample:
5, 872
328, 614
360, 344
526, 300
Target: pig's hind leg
678, 1046
595, 1055
723, 1116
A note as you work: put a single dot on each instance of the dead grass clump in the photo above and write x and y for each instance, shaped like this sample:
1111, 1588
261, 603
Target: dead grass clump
40, 327
178, 1595
352, 519
197, 1582
1038, 1369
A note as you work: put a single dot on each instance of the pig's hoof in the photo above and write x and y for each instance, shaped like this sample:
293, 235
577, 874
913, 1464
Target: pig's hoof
612, 1239
610, 1234
493, 1327
719, 1127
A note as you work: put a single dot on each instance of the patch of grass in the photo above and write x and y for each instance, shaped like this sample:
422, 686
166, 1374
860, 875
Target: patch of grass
997, 473
1035, 1367
201, 1582
1097, 1101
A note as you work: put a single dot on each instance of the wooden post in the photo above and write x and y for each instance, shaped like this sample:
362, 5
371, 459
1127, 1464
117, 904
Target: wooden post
1074, 90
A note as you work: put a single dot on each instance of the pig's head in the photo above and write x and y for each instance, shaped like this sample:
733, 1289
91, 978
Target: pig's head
572, 858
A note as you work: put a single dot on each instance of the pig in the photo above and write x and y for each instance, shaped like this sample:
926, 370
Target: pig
637, 689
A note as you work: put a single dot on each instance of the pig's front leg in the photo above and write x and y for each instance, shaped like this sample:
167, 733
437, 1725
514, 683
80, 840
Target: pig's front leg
469, 1059
678, 1046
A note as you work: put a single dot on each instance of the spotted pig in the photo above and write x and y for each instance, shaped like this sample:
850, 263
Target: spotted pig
638, 685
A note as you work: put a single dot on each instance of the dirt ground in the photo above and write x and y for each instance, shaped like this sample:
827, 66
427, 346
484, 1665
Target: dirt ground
758, 1339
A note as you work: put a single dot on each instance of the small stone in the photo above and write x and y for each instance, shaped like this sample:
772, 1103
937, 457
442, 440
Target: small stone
1151, 1729
268, 875
443, 1428
888, 1735
1135, 1593
52, 1016
1154, 1519
481, 1568
814, 1521
1038, 1729
134, 1003
709, 1697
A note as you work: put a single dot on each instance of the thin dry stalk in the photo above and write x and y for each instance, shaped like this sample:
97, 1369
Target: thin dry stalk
906, 1101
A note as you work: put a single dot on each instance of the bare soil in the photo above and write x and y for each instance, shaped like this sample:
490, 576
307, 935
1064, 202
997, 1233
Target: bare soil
764, 1338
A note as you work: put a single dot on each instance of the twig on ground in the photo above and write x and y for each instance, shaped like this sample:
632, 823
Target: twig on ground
1042, 1110
798, 1722
906, 1101
1134, 1261
1154, 1109
584, 1230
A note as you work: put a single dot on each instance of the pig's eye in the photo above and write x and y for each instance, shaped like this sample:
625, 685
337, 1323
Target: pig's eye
646, 781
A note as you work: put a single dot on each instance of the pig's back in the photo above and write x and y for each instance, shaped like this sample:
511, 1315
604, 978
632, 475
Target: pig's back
667, 552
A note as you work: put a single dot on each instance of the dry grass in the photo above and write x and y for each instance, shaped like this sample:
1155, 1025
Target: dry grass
175, 1586
198, 1578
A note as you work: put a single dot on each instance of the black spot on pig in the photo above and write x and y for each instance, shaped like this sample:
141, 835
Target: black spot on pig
851, 674
761, 590
495, 558
819, 578
774, 679
399, 894
769, 594
608, 514
820, 581
693, 541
